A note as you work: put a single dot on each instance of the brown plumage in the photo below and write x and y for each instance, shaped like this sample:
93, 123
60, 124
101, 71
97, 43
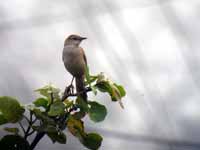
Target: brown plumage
75, 62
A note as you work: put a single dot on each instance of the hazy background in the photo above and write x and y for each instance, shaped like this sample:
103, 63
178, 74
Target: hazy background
149, 46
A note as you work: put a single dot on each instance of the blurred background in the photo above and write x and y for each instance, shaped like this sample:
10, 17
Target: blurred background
149, 46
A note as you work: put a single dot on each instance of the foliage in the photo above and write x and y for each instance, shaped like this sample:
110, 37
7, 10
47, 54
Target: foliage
10, 110
52, 112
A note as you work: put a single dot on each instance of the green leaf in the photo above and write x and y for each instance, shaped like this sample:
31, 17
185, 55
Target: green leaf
104, 86
90, 79
10, 109
50, 129
115, 94
57, 108
92, 141
80, 103
93, 78
80, 114
55, 134
12, 130
59, 137
115, 91
47, 90
38, 113
76, 127
121, 89
97, 112
2, 119
41, 102
68, 103
87, 75
94, 89
43, 116
45, 128
14, 142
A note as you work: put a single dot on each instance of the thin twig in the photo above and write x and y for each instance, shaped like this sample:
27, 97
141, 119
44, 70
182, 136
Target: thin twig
31, 118
34, 120
31, 133
20, 124
30, 124
26, 119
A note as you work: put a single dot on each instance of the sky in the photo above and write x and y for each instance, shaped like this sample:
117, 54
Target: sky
149, 46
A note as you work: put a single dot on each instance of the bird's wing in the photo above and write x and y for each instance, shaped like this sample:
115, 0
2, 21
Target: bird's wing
84, 56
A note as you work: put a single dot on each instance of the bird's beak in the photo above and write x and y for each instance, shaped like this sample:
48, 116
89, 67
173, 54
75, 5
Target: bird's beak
83, 38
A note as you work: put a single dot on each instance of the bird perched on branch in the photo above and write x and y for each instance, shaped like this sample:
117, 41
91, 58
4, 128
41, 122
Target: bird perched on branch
75, 62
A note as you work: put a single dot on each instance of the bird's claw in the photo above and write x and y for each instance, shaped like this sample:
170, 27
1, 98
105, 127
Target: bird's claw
71, 89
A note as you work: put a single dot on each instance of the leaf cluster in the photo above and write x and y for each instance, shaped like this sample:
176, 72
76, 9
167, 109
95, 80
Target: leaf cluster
52, 112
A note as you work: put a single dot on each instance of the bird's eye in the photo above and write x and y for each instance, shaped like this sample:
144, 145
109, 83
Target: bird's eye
74, 38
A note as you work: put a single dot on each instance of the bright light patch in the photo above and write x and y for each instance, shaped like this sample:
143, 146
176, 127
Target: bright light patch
162, 47
136, 82
163, 57
144, 23
187, 8
135, 18
114, 36
104, 62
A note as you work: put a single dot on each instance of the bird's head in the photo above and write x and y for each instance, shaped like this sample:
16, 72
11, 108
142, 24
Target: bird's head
74, 40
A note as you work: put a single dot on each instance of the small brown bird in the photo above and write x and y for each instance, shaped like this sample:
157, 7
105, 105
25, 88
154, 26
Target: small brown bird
75, 62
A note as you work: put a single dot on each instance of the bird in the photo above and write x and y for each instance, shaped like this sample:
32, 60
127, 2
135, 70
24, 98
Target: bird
75, 62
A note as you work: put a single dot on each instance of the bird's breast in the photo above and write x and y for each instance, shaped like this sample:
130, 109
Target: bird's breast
73, 61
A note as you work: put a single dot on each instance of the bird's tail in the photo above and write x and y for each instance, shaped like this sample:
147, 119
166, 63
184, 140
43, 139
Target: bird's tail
80, 88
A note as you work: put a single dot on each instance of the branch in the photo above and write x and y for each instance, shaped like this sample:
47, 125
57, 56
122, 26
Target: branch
62, 119
26, 118
31, 133
20, 124
67, 94
29, 127
34, 120
37, 139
